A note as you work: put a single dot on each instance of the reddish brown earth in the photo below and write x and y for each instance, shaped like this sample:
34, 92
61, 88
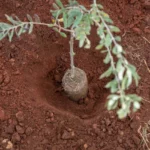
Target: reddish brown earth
35, 114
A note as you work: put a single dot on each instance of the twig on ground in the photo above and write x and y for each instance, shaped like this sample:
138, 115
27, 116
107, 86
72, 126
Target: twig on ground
146, 39
145, 140
146, 65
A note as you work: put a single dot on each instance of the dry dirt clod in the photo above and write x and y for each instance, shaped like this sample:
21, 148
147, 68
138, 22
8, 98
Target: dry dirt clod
67, 135
20, 116
6, 78
19, 129
12, 46
132, 1
147, 4
16, 73
86, 101
85, 146
147, 20
1, 45
2, 114
48, 120
57, 78
119, 139
101, 144
10, 129
120, 148
137, 30
16, 137
136, 140
108, 122
1, 78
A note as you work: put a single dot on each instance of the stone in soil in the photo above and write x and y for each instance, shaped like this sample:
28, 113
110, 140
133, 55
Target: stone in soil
6, 144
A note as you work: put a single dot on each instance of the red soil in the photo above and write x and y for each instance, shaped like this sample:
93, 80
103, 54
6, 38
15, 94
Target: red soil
35, 114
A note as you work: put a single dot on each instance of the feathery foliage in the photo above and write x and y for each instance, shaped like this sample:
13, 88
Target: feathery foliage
17, 26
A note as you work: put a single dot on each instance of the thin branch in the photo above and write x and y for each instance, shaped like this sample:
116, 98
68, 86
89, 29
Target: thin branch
139, 131
72, 55
37, 23
113, 65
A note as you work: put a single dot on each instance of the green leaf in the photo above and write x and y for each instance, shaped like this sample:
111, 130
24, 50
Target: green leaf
120, 69
10, 35
100, 30
129, 75
3, 35
136, 78
11, 20
65, 19
20, 31
63, 34
100, 6
29, 18
73, 3
134, 73
113, 85
108, 40
124, 82
31, 28
119, 48
122, 113
136, 105
82, 7
118, 38
70, 21
37, 18
74, 17
5, 26
106, 17
134, 97
81, 42
88, 43
100, 46
107, 59
107, 73
114, 50
114, 29
50, 25
55, 6
59, 3
112, 102
77, 20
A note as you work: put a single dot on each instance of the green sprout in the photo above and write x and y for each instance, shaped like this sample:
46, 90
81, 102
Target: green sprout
78, 21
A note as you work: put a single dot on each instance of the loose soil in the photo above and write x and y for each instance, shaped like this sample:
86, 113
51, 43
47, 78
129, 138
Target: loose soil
35, 114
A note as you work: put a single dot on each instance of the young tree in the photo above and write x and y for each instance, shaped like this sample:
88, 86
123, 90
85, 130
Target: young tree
78, 21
